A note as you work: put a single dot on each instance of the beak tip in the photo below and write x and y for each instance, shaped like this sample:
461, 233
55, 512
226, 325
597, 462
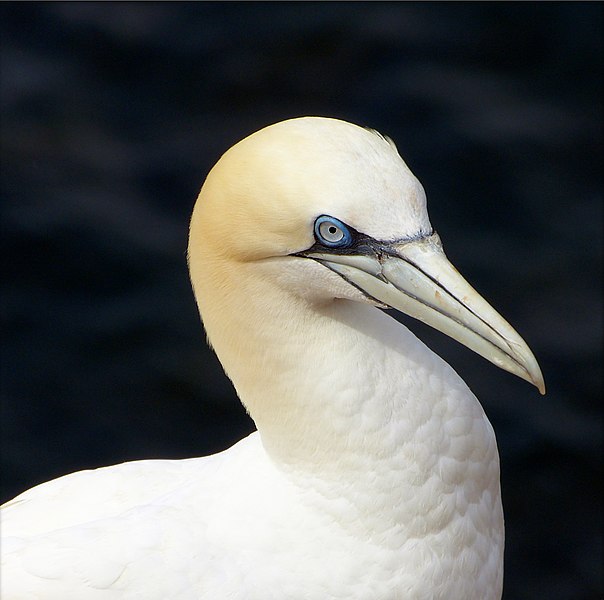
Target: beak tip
538, 381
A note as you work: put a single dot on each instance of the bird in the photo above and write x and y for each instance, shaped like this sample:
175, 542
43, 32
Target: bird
373, 472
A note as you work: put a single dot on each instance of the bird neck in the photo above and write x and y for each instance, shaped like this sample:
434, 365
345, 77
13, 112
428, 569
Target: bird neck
334, 386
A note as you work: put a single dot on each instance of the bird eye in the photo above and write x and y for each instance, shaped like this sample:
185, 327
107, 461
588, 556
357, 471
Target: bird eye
331, 232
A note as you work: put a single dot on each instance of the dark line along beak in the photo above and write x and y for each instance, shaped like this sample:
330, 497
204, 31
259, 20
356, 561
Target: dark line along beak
416, 278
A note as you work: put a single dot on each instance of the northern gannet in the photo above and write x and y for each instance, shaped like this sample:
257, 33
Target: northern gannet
374, 473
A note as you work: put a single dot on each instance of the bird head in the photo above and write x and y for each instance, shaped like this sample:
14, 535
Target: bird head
331, 211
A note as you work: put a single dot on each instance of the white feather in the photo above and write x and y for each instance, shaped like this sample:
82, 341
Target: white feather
374, 473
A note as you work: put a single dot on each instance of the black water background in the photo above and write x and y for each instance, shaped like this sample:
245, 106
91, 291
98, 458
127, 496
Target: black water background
112, 114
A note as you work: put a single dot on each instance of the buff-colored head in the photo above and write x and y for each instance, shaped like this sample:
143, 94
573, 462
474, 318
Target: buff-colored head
323, 205
263, 195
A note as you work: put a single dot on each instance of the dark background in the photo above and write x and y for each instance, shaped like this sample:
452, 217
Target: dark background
112, 115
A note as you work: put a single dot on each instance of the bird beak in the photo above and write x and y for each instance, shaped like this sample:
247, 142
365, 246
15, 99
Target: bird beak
416, 278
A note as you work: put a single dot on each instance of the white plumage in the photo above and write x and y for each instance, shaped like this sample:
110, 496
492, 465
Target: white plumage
374, 472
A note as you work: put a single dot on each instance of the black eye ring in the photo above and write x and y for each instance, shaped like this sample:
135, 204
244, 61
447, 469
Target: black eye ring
332, 233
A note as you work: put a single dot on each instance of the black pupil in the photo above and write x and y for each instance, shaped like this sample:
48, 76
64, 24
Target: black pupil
332, 229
